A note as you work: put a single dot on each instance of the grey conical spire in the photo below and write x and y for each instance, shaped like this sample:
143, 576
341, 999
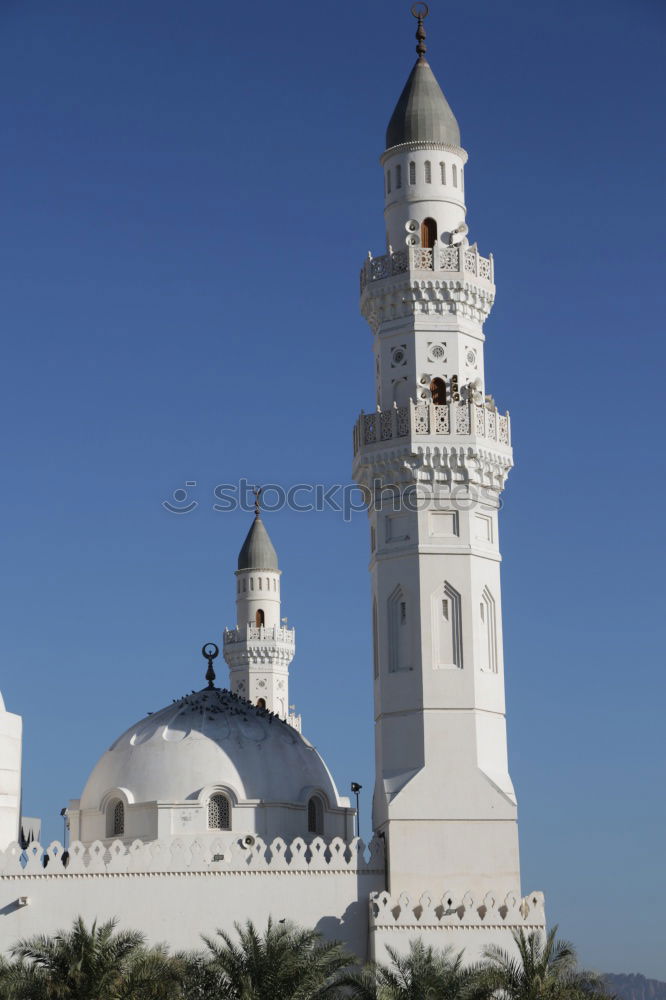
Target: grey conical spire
258, 551
422, 113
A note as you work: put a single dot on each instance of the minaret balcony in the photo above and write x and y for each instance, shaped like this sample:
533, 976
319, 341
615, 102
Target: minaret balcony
464, 262
260, 634
454, 421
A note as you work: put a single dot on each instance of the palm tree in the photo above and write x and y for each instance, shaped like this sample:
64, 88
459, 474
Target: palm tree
95, 964
284, 963
543, 969
423, 974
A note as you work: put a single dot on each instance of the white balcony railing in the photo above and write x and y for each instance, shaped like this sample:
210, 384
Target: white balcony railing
465, 261
259, 633
418, 419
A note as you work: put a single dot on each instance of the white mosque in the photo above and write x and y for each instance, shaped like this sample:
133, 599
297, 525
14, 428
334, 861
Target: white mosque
217, 809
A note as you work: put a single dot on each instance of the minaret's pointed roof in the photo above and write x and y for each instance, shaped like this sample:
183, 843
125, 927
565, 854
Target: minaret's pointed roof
258, 551
422, 113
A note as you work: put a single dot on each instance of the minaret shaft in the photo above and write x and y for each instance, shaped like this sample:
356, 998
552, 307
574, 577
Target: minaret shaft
433, 458
260, 648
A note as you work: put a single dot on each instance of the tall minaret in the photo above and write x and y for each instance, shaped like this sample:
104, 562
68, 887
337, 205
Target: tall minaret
434, 457
261, 647
11, 732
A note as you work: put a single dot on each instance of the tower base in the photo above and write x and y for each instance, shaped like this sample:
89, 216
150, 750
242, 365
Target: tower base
464, 924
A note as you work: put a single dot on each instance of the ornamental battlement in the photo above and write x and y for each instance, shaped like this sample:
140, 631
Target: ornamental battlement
456, 260
451, 420
449, 912
248, 854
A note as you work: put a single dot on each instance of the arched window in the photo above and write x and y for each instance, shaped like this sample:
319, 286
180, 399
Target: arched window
454, 170
315, 815
219, 812
401, 392
488, 631
442, 168
261, 703
448, 621
115, 818
438, 391
427, 172
428, 233
412, 172
462, 179
398, 632
375, 634
259, 618
398, 176
388, 181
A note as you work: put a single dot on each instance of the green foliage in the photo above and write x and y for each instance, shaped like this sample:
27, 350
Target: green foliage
284, 963
90, 964
423, 974
544, 969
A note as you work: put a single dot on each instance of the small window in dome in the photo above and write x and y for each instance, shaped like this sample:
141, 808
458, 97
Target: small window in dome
442, 168
388, 181
428, 172
454, 170
315, 815
115, 818
412, 172
398, 176
219, 813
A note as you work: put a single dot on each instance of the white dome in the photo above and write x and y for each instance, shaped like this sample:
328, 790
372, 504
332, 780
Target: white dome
212, 739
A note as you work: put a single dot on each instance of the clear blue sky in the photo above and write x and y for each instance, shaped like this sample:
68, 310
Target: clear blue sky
188, 191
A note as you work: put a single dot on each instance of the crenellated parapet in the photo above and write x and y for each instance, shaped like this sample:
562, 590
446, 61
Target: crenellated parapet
449, 912
213, 854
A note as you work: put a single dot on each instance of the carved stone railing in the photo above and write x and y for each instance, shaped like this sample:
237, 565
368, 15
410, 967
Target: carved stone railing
259, 633
465, 261
452, 420
175, 854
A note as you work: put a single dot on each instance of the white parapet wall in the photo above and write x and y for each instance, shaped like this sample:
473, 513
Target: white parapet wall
11, 727
175, 890
465, 924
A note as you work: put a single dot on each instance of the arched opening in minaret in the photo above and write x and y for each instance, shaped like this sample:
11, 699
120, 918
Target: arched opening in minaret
261, 703
259, 618
428, 233
438, 391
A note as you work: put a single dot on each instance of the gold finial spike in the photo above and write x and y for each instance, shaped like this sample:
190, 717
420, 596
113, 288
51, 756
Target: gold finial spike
420, 11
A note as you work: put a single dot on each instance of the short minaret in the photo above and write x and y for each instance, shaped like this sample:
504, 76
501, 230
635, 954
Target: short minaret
434, 457
261, 647
11, 729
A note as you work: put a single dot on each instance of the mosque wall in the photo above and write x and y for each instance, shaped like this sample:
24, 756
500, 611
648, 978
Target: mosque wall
175, 892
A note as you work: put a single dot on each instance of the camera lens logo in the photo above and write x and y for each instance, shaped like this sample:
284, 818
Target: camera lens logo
178, 503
